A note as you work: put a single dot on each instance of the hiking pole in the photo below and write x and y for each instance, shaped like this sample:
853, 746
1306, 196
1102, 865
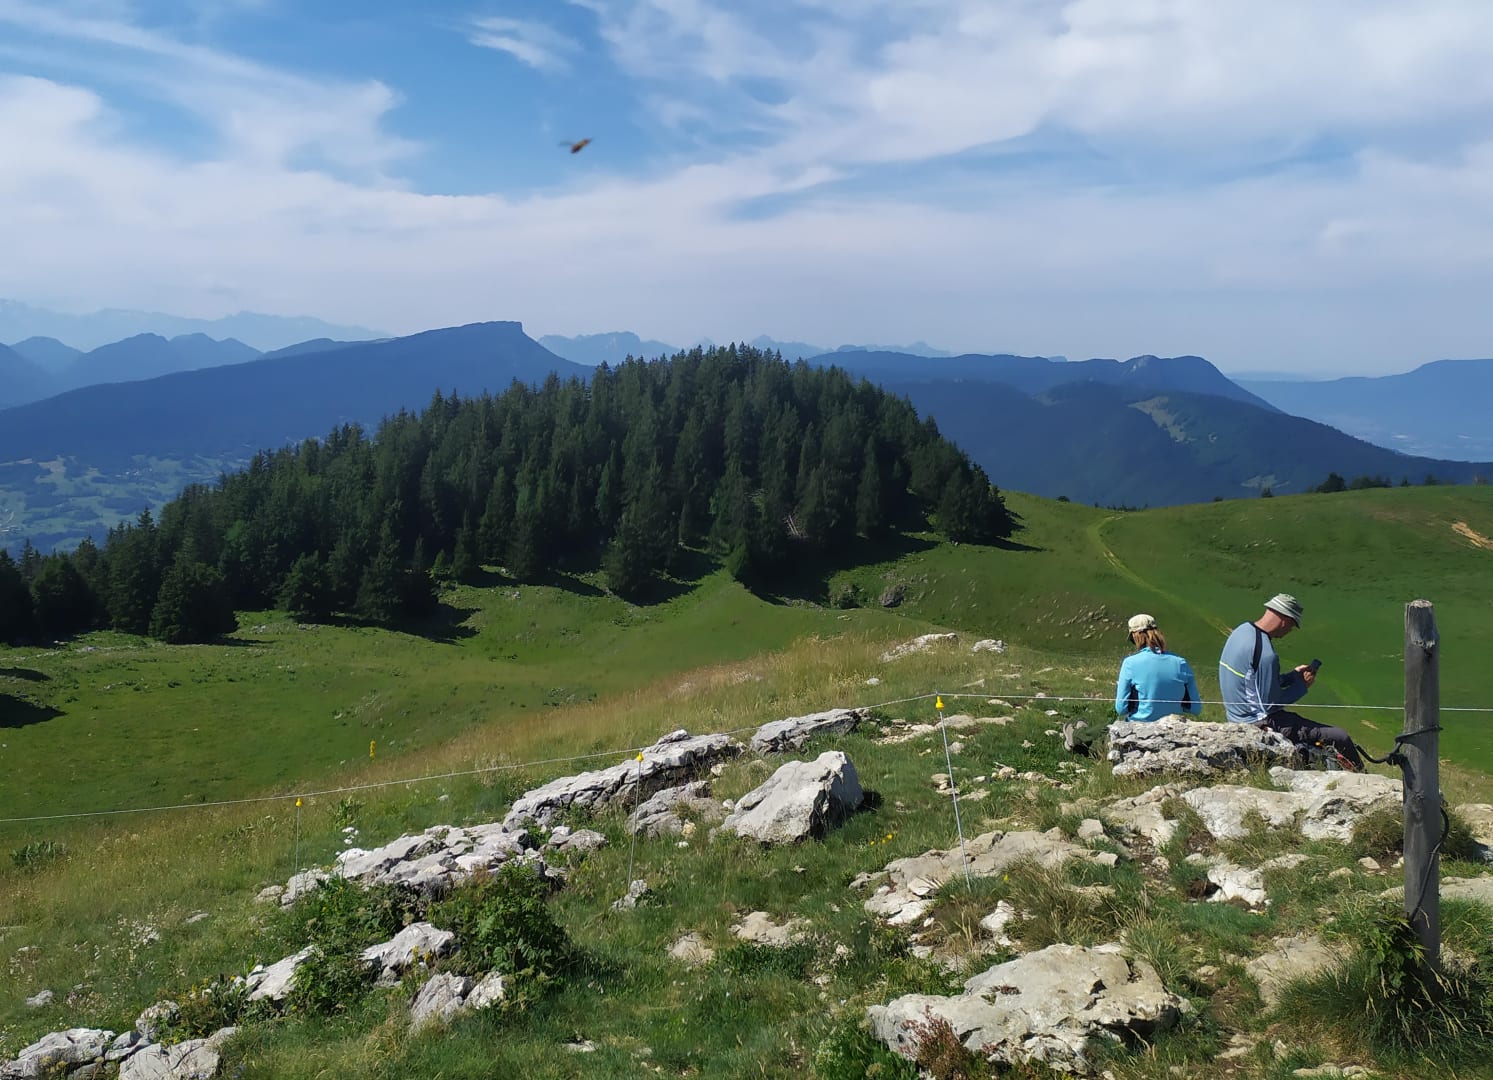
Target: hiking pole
953, 786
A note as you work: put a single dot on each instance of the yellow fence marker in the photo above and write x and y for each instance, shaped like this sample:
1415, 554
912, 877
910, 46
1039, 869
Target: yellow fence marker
372, 745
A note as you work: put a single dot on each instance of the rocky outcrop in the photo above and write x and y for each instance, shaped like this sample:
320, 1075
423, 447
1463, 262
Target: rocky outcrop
801, 800
676, 758
1328, 804
758, 928
904, 889
194, 1059
1056, 1006
1288, 959
58, 1054
1193, 748
792, 733
663, 813
922, 643
419, 942
447, 995
273, 983
85, 1054
441, 857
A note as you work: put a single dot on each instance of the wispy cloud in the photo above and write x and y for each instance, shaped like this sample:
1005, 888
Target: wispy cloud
532, 42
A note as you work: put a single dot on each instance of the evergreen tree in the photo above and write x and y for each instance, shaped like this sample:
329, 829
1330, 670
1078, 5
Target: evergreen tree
16, 623
379, 591
193, 605
307, 592
464, 565
61, 604
134, 576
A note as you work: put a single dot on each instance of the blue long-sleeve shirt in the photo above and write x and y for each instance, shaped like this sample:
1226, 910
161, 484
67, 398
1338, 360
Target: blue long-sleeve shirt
1252, 691
1153, 685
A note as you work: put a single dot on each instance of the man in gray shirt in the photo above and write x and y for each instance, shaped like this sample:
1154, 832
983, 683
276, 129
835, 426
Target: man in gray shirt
1255, 692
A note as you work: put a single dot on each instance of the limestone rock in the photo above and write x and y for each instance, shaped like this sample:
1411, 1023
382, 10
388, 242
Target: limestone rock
892, 595
489, 991
1288, 959
1329, 803
1143, 814
691, 950
922, 643
307, 881
419, 941
800, 800
1055, 1006
565, 840
66, 1049
988, 645
663, 813
154, 1020
194, 1059
759, 929
1193, 747
273, 983
792, 733
41, 999
674, 759
905, 887
439, 1000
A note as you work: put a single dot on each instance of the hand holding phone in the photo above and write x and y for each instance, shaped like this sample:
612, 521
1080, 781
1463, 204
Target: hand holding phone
1313, 666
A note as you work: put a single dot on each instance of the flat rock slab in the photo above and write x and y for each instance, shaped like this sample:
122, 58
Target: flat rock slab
793, 732
1329, 804
802, 799
1288, 959
441, 998
194, 1059
758, 928
905, 887
273, 983
418, 942
922, 643
675, 759
1193, 748
1057, 1006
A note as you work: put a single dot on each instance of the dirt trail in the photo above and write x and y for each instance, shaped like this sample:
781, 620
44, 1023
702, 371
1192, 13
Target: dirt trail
1477, 538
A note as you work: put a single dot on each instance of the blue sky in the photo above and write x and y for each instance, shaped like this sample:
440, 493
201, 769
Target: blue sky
1272, 185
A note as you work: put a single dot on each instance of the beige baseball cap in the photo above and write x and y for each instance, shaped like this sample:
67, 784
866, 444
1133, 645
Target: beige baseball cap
1142, 622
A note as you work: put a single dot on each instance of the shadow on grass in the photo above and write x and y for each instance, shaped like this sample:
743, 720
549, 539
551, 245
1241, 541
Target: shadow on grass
29, 674
807, 575
18, 712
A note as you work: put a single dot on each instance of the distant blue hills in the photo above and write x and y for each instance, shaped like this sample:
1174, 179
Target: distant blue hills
1143, 431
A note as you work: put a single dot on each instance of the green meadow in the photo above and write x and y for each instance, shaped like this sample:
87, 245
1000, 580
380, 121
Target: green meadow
513, 686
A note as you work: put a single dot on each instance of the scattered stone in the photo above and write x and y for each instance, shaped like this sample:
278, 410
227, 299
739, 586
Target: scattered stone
583, 1046
124, 1044
691, 950
892, 595
488, 992
1479, 819
673, 760
196, 917
759, 929
906, 885
662, 813
988, 645
1329, 803
1370, 864
918, 644
439, 1000
800, 800
153, 1022
1289, 861
1142, 814
1193, 747
1233, 882
302, 884
564, 840
441, 857
1057, 1006
996, 922
273, 983
1288, 959
1090, 829
791, 734
636, 891
270, 894
40, 1000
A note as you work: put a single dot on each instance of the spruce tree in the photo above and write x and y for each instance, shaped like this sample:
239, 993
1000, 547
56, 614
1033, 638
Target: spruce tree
193, 605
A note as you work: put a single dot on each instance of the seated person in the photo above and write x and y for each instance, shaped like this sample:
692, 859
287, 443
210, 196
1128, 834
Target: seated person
1154, 683
1255, 692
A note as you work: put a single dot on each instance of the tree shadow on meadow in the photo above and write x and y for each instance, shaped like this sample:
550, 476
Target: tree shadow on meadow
18, 712
29, 674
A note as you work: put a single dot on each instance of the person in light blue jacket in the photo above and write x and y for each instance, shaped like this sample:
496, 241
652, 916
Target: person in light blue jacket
1154, 683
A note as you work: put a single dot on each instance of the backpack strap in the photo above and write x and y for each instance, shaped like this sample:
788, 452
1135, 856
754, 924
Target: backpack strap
1254, 664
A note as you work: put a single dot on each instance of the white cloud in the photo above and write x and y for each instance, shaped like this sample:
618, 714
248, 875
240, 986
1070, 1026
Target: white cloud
533, 43
1381, 259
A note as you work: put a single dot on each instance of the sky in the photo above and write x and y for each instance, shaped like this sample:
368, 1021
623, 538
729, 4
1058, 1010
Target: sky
1275, 185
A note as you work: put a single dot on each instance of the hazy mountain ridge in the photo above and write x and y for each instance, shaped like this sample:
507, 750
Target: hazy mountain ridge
613, 348
1439, 409
90, 330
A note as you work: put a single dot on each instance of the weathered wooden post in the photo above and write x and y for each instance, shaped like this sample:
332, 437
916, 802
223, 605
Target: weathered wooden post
1419, 747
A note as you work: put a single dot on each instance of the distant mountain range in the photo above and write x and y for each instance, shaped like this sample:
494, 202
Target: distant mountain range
613, 348
88, 331
1438, 410
46, 366
1144, 431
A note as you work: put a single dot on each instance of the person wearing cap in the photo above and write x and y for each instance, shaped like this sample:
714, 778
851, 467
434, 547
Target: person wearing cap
1255, 692
1154, 683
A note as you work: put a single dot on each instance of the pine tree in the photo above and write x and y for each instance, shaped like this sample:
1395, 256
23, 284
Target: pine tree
61, 604
307, 593
16, 623
193, 605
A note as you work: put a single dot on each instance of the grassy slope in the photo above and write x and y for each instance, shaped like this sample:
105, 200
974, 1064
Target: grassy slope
703, 661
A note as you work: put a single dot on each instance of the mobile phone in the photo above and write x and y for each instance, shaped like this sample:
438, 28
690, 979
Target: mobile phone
1314, 665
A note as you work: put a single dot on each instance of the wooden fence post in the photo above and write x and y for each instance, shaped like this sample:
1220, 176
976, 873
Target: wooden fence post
1420, 748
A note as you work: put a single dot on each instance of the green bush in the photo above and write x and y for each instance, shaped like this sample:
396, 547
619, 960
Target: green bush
206, 1009
851, 1052
37, 854
329, 982
502, 922
342, 919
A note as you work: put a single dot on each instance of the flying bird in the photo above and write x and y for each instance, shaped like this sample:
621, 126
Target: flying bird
577, 147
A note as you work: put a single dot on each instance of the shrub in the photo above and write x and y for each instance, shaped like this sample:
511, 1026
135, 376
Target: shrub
206, 1009
851, 1052
37, 854
503, 923
341, 919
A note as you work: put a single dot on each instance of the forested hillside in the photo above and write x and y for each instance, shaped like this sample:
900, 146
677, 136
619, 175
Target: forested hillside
731, 451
